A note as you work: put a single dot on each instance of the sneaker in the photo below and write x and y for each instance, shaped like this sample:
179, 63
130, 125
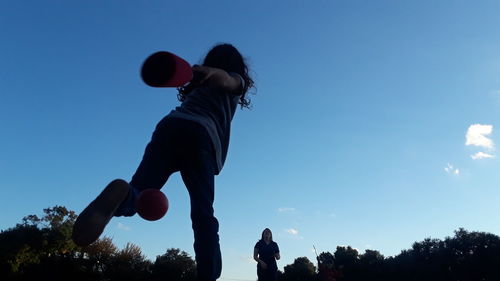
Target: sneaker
92, 220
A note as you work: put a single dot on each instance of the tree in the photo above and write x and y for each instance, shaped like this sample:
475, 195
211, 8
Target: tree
128, 264
174, 265
41, 248
302, 269
371, 265
19, 246
100, 254
473, 255
35, 239
347, 259
56, 226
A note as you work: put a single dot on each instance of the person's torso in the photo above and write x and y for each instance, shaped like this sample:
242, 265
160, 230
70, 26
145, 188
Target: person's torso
267, 252
214, 110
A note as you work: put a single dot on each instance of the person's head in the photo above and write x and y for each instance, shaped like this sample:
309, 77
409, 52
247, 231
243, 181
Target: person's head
267, 235
228, 58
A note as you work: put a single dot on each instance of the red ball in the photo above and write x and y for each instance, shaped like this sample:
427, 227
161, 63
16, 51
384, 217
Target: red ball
151, 204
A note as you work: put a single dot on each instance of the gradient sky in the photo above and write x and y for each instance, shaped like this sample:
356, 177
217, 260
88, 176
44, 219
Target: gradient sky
374, 123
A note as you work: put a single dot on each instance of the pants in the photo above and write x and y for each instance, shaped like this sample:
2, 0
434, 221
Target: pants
185, 146
266, 274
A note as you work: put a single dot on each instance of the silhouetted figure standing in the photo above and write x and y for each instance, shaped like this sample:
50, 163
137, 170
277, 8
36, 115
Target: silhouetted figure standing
192, 139
265, 253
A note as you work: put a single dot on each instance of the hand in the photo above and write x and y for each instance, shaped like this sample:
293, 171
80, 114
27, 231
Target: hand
263, 265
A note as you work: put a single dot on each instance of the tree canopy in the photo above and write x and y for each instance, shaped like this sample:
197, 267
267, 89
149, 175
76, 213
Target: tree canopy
41, 248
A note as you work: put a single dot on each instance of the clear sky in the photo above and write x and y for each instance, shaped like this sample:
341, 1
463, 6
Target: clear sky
374, 122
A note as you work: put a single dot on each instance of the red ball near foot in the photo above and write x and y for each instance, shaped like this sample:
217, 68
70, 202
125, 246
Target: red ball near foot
151, 204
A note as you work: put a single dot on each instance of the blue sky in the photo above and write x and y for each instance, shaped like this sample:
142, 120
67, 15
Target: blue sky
374, 122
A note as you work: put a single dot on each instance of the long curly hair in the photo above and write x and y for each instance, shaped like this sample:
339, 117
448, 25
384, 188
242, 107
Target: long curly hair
226, 57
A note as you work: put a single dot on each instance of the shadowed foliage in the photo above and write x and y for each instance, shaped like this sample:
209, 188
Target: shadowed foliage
41, 248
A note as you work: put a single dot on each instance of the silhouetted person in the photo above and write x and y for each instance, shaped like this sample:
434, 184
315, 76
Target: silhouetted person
265, 253
193, 139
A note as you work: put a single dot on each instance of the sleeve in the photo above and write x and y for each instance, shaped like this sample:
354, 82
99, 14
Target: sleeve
276, 248
257, 245
241, 80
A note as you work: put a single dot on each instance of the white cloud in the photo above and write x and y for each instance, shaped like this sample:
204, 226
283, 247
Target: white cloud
476, 136
481, 155
294, 233
451, 170
286, 209
123, 227
246, 259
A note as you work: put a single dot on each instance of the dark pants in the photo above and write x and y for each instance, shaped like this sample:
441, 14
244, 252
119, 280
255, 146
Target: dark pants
266, 274
185, 146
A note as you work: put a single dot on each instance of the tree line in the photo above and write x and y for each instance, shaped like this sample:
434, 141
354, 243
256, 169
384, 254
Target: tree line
41, 248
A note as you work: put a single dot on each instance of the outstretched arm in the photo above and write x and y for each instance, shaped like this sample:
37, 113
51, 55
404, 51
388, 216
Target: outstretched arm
217, 77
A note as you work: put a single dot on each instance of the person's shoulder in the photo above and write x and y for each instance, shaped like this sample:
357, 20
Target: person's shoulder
258, 244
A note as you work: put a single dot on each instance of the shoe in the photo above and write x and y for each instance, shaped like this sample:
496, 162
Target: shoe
92, 220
